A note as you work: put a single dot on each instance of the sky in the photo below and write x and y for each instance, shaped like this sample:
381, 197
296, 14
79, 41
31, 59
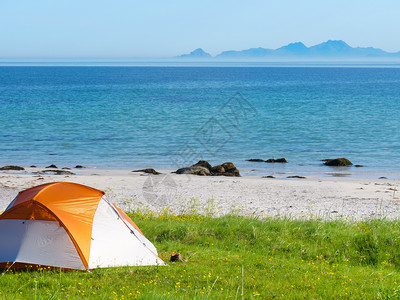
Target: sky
130, 28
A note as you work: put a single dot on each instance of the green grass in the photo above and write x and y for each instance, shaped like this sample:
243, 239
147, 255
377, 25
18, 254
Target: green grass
235, 257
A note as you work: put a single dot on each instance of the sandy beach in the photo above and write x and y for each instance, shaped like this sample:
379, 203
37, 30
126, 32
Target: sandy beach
313, 197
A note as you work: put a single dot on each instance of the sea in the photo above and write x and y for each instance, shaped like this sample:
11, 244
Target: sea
170, 116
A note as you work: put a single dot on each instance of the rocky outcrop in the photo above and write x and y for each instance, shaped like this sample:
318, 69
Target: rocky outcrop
204, 168
148, 171
230, 170
12, 168
203, 163
337, 162
52, 167
278, 160
217, 169
194, 170
271, 160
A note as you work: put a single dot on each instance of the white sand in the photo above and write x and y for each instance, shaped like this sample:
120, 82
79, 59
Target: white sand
323, 197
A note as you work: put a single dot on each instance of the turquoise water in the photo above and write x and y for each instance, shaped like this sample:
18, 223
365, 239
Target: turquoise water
168, 117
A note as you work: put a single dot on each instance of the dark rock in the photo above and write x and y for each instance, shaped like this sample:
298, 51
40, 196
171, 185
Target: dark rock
177, 257
33, 166
256, 159
278, 160
217, 169
337, 162
383, 177
194, 171
66, 168
12, 168
358, 166
52, 167
148, 171
296, 176
269, 176
205, 169
203, 163
79, 167
230, 169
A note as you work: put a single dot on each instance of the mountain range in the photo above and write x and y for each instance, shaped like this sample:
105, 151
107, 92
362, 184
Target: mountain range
328, 49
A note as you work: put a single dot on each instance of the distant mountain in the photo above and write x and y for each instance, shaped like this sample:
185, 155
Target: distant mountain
292, 49
198, 53
329, 49
253, 52
341, 49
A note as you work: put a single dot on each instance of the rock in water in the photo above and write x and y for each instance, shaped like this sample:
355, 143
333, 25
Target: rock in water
278, 160
256, 159
203, 168
12, 168
52, 167
148, 171
337, 162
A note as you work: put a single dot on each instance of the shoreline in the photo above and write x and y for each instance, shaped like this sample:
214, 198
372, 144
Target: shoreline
313, 197
247, 169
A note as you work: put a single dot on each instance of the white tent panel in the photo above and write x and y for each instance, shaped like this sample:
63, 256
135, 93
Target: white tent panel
11, 232
37, 242
114, 244
144, 240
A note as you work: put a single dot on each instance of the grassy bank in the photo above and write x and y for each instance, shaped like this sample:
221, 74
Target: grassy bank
234, 257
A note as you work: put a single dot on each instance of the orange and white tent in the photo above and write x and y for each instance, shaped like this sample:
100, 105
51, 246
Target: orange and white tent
70, 226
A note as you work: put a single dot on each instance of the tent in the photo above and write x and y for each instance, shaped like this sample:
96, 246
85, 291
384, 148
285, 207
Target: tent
71, 226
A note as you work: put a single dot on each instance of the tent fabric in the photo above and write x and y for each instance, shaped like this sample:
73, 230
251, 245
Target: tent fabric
133, 227
127, 218
108, 224
38, 242
71, 215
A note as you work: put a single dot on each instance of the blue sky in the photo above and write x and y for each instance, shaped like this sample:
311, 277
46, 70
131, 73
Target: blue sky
119, 28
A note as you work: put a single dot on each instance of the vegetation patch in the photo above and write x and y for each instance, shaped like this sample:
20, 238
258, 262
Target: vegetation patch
236, 257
